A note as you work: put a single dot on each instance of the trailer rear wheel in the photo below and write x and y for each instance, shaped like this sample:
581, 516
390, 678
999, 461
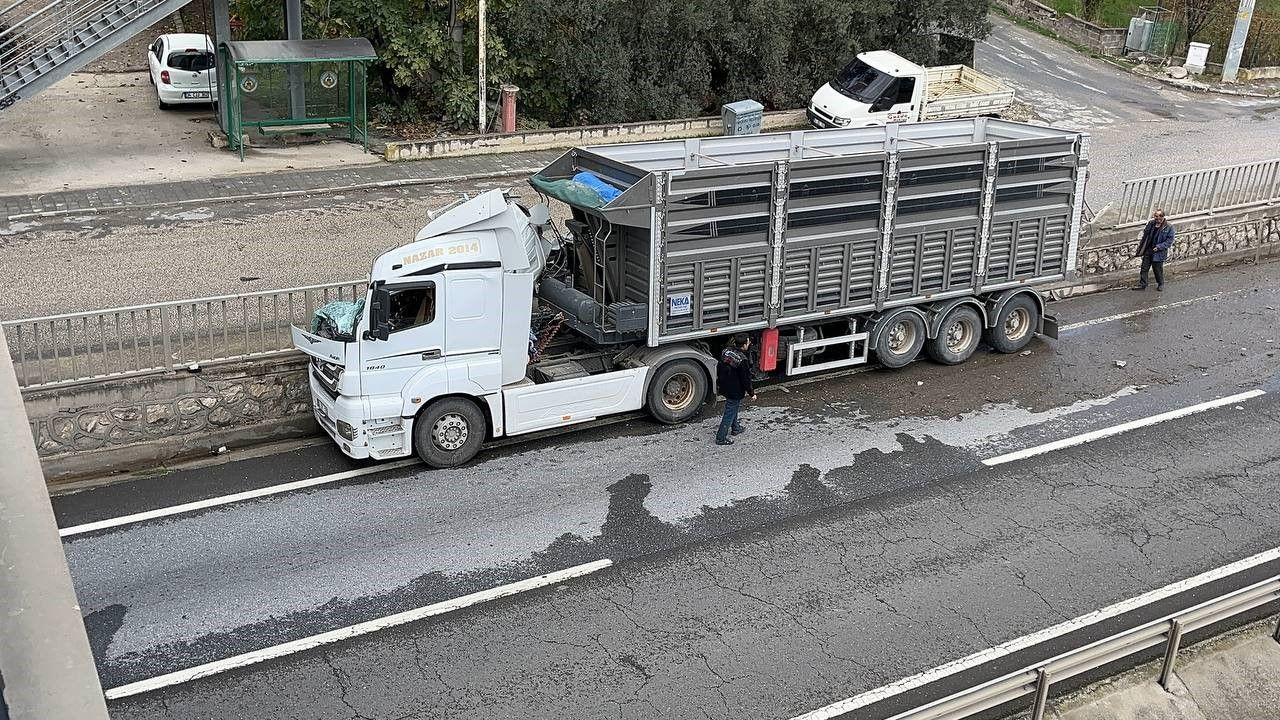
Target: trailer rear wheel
1015, 326
449, 432
677, 391
900, 338
958, 336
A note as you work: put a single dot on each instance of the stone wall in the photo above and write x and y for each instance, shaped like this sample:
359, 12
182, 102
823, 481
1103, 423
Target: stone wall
1244, 236
1104, 40
127, 423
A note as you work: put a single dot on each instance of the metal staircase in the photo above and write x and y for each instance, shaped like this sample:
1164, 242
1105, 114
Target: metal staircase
44, 41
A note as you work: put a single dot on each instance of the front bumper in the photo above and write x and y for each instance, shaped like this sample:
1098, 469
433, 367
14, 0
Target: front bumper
821, 120
329, 411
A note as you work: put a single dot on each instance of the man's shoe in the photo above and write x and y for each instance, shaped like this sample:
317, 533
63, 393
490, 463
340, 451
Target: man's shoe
1159, 288
725, 441
738, 431
1138, 287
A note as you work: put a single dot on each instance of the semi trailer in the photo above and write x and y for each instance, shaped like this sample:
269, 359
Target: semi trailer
829, 247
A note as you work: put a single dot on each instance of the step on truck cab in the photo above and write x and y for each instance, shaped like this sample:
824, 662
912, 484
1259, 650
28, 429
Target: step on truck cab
881, 87
830, 248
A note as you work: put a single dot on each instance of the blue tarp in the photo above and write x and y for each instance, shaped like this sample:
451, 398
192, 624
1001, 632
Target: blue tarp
584, 190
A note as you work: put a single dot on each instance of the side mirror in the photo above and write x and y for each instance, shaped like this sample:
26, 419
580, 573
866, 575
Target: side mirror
379, 308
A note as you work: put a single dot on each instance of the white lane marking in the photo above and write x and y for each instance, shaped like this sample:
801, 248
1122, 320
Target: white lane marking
990, 654
1121, 428
1144, 311
228, 499
351, 631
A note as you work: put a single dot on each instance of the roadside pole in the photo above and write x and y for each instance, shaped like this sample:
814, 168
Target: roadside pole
481, 70
45, 659
1240, 33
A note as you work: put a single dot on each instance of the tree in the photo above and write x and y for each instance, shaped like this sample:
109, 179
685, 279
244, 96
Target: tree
1197, 15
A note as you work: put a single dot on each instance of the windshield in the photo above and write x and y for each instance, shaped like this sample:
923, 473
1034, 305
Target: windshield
193, 61
861, 82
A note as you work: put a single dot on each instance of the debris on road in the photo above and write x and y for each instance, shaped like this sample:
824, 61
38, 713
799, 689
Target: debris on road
1121, 363
1025, 353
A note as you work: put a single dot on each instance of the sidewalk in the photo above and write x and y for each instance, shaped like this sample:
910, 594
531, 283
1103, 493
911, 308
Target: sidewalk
1206, 83
272, 184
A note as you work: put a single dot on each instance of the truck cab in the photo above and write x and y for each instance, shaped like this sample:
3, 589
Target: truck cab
440, 357
877, 88
435, 323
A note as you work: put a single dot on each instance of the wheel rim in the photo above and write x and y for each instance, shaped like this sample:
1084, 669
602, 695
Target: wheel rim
678, 391
450, 432
902, 336
960, 335
1017, 324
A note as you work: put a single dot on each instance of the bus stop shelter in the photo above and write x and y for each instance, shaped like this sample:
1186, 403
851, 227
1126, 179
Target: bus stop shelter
257, 82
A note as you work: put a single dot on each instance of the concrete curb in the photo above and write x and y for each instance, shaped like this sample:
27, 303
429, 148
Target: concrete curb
1192, 87
680, 128
399, 182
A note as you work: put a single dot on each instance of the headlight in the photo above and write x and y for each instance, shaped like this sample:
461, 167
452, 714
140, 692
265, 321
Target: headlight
346, 430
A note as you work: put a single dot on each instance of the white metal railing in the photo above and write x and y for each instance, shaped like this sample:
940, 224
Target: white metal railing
30, 27
1200, 192
76, 347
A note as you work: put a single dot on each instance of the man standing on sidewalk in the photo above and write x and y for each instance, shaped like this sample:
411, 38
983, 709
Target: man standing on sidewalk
733, 380
1157, 237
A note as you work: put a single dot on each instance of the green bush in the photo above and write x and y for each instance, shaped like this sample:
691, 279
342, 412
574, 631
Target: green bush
606, 61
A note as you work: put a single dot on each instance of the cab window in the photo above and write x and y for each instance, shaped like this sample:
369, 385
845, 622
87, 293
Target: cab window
906, 87
411, 307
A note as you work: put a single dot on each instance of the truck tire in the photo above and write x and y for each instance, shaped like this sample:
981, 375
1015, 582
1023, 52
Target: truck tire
900, 338
677, 391
449, 432
958, 336
1015, 326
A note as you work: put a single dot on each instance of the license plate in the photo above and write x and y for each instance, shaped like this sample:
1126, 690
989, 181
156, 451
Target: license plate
195, 95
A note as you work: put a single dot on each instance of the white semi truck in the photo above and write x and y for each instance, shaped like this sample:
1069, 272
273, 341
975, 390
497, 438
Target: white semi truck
882, 87
828, 247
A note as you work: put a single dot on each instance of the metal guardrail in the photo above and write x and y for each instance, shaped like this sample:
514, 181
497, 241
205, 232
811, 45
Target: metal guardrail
1035, 681
125, 341
1200, 192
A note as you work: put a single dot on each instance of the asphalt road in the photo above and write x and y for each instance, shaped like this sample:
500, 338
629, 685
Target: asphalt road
852, 537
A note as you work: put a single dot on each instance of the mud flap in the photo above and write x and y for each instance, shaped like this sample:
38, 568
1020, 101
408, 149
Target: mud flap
1049, 326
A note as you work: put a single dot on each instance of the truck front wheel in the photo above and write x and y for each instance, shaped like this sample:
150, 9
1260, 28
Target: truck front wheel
449, 432
677, 391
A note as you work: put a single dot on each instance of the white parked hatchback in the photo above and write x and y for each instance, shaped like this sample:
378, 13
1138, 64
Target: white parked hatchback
182, 69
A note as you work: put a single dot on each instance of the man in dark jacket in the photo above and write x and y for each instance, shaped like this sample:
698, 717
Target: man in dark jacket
733, 381
1157, 237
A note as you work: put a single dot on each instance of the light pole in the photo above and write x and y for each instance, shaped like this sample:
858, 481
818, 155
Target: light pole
45, 659
1238, 35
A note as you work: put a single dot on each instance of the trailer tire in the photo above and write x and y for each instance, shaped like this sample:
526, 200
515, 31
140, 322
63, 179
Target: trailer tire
958, 336
449, 432
677, 391
899, 340
1015, 325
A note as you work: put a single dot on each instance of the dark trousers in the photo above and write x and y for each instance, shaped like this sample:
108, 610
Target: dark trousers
1149, 264
730, 419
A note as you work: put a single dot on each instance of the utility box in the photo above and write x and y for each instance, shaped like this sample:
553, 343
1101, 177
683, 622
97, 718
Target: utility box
1139, 37
742, 118
1197, 56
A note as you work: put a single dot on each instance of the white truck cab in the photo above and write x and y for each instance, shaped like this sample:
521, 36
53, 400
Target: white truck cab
881, 87
437, 361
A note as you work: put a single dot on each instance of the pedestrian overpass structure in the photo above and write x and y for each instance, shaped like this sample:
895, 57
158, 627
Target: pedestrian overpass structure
44, 41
